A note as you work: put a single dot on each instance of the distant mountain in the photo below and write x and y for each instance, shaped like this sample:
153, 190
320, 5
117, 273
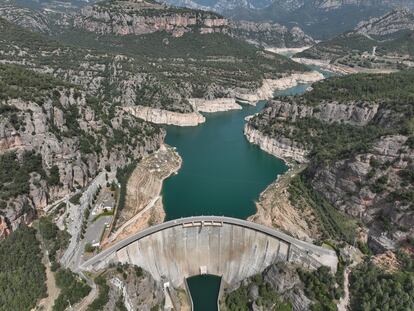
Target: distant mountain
321, 19
50, 5
384, 42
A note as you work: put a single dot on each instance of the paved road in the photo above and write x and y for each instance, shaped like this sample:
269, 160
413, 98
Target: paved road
92, 235
221, 219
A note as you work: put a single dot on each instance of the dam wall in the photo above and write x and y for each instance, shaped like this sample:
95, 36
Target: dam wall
232, 248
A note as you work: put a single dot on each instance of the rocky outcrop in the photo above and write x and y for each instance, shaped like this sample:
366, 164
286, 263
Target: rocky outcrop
133, 288
392, 22
281, 278
353, 113
349, 186
367, 178
138, 18
214, 105
64, 138
281, 148
269, 86
160, 116
24, 17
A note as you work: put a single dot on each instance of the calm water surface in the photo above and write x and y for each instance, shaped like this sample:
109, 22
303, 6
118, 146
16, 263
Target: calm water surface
222, 174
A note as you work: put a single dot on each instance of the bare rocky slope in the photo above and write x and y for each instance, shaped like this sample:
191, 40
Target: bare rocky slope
55, 138
359, 146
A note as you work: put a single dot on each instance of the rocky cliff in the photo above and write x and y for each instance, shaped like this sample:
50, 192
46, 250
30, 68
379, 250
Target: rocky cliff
322, 19
282, 148
138, 18
359, 147
159, 116
277, 278
54, 138
392, 22
129, 71
269, 86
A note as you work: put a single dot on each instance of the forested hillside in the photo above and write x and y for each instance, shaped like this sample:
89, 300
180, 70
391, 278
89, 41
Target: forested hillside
22, 274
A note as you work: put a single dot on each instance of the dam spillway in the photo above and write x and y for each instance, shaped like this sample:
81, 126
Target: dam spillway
231, 248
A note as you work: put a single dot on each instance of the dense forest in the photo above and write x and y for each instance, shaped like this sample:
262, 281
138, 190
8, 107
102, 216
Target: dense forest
22, 274
396, 88
375, 289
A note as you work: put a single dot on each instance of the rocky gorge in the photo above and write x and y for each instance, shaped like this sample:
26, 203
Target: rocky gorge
354, 181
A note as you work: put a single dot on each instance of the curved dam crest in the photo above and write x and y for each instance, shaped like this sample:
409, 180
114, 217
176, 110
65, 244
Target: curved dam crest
231, 248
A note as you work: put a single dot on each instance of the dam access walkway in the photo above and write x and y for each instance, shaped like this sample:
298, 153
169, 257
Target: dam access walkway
229, 247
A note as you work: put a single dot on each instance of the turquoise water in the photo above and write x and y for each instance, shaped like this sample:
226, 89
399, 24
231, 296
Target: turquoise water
222, 173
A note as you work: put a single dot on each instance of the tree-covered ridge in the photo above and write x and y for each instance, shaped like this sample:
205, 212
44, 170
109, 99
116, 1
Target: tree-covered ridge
22, 274
357, 132
375, 289
395, 87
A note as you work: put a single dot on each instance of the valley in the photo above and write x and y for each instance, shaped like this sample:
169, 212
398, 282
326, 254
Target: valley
213, 155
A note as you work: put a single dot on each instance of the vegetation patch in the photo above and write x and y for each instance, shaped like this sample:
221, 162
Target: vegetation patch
22, 274
103, 296
334, 224
72, 289
321, 287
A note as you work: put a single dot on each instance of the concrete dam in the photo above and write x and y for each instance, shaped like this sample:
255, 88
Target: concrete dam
231, 248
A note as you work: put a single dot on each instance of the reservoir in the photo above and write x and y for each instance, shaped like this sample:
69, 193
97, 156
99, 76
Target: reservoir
222, 174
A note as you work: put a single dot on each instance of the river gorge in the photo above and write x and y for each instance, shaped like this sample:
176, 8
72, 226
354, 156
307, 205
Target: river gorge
222, 174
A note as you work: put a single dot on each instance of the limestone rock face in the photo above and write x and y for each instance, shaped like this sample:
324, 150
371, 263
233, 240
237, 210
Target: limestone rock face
372, 183
77, 156
358, 114
282, 148
214, 105
347, 184
269, 86
138, 18
159, 116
